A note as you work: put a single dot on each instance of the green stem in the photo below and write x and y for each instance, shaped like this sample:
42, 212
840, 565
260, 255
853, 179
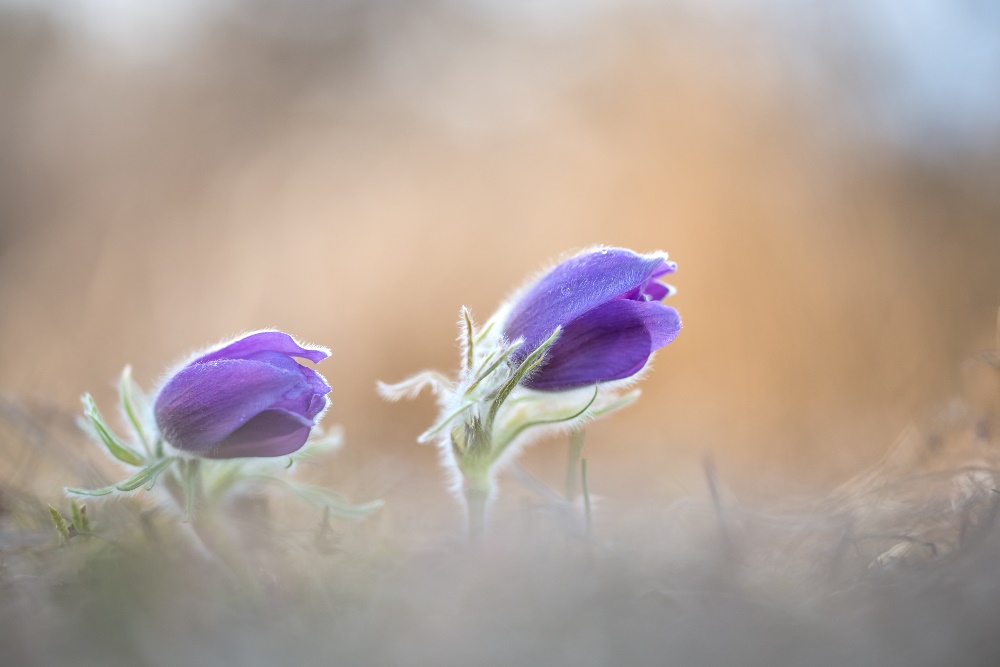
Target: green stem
477, 491
192, 487
586, 493
576, 438
179, 487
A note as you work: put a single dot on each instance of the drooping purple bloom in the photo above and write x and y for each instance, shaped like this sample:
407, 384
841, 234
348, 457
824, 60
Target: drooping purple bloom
246, 398
608, 303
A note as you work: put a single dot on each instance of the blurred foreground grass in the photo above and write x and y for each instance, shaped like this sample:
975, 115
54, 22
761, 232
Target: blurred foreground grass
356, 171
897, 566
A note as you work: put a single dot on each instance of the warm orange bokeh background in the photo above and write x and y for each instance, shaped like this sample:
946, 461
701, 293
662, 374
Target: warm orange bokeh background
355, 173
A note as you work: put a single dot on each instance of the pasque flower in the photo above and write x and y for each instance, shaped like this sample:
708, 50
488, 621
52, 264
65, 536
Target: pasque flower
607, 303
249, 397
245, 402
555, 356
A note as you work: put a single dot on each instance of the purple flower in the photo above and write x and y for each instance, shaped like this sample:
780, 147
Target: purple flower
608, 303
246, 398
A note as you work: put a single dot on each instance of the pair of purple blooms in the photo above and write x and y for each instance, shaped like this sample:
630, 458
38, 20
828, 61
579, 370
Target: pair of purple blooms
251, 398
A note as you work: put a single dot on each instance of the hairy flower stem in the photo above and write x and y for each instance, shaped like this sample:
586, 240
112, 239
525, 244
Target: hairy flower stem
576, 440
206, 536
178, 487
477, 491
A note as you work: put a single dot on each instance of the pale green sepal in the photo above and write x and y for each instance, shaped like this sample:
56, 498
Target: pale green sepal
118, 449
146, 475
338, 504
529, 364
470, 344
504, 440
128, 393
622, 402
492, 367
481, 336
437, 428
93, 493
411, 387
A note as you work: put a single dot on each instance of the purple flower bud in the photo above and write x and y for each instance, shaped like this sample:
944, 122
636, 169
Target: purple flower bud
245, 398
607, 302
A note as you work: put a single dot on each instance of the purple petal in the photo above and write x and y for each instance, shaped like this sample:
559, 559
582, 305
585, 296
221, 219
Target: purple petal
307, 405
651, 291
312, 378
206, 402
575, 287
664, 269
656, 291
271, 433
611, 342
263, 342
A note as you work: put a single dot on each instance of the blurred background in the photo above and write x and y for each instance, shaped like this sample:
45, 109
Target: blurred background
827, 176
